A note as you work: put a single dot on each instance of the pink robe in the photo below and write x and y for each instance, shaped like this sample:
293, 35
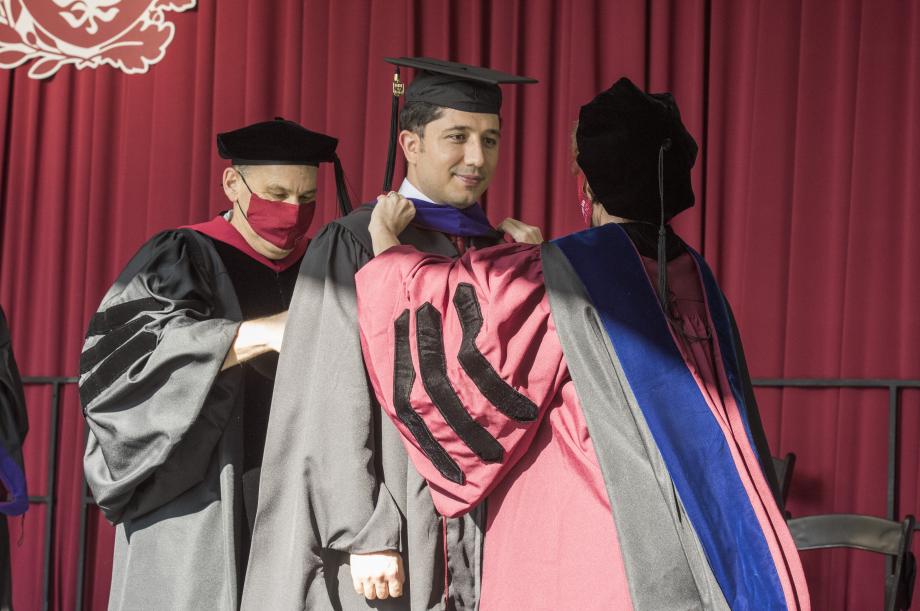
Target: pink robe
551, 541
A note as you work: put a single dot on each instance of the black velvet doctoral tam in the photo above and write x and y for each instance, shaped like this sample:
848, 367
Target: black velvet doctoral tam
277, 142
619, 135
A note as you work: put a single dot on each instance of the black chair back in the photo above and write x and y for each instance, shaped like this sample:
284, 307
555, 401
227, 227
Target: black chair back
867, 533
784, 467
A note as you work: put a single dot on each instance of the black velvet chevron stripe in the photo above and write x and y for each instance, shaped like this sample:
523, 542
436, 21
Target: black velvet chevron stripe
109, 342
505, 398
433, 365
119, 314
118, 362
403, 378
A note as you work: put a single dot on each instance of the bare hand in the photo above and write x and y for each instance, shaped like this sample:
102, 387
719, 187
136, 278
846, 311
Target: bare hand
275, 329
391, 215
521, 232
256, 337
378, 575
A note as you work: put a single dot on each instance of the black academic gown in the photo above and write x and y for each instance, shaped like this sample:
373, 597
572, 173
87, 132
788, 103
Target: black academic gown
14, 424
174, 442
336, 479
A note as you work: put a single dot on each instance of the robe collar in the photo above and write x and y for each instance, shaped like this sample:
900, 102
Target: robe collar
468, 222
220, 229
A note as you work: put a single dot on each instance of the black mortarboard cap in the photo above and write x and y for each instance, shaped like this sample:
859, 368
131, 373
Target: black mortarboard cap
637, 155
619, 137
282, 142
449, 85
457, 86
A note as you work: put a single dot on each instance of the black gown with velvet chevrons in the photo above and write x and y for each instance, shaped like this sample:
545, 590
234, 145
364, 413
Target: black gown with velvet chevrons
175, 443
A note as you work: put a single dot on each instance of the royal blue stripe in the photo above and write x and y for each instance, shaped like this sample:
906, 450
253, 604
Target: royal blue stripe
694, 449
469, 222
718, 311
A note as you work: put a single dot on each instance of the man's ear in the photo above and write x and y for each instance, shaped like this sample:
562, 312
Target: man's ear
231, 183
411, 144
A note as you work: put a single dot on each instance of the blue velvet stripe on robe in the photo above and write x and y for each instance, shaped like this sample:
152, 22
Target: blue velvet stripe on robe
718, 311
695, 450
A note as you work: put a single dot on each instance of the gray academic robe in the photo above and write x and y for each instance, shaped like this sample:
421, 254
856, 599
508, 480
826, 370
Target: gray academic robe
164, 451
14, 424
336, 479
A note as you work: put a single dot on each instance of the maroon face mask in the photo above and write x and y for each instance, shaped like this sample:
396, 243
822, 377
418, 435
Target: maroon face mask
279, 223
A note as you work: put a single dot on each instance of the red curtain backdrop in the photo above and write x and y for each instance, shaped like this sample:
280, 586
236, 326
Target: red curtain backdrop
808, 117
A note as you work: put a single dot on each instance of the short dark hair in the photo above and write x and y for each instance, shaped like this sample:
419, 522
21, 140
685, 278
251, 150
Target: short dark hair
414, 116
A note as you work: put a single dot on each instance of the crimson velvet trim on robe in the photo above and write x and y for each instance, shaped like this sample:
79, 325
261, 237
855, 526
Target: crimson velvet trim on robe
221, 230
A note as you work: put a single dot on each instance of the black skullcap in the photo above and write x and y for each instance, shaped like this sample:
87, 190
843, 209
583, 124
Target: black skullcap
282, 142
619, 135
448, 85
277, 142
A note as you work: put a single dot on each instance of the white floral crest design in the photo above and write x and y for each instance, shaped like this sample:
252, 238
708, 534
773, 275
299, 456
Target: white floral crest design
140, 44
89, 11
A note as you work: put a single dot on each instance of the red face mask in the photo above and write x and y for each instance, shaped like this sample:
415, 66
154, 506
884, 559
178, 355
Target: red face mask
586, 206
279, 223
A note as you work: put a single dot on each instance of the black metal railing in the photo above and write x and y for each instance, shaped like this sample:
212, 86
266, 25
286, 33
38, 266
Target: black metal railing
894, 387
894, 408
86, 501
57, 383
48, 500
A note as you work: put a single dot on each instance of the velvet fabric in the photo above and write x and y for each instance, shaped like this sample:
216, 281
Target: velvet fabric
14, 497
276, 142
699, 455
465, 222
525, 315
221, 230
547, 471
697, 418
618, 138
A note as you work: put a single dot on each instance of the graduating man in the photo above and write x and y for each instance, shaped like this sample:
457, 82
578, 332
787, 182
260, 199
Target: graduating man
343, 516
177, 371
609, 428
14, 424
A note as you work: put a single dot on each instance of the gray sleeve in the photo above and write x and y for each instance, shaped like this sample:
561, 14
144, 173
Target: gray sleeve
319, 483
152, 354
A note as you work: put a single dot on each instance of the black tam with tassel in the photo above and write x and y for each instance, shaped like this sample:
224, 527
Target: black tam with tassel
637, 155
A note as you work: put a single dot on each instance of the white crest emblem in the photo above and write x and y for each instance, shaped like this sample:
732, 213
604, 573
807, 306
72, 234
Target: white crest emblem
130, 35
